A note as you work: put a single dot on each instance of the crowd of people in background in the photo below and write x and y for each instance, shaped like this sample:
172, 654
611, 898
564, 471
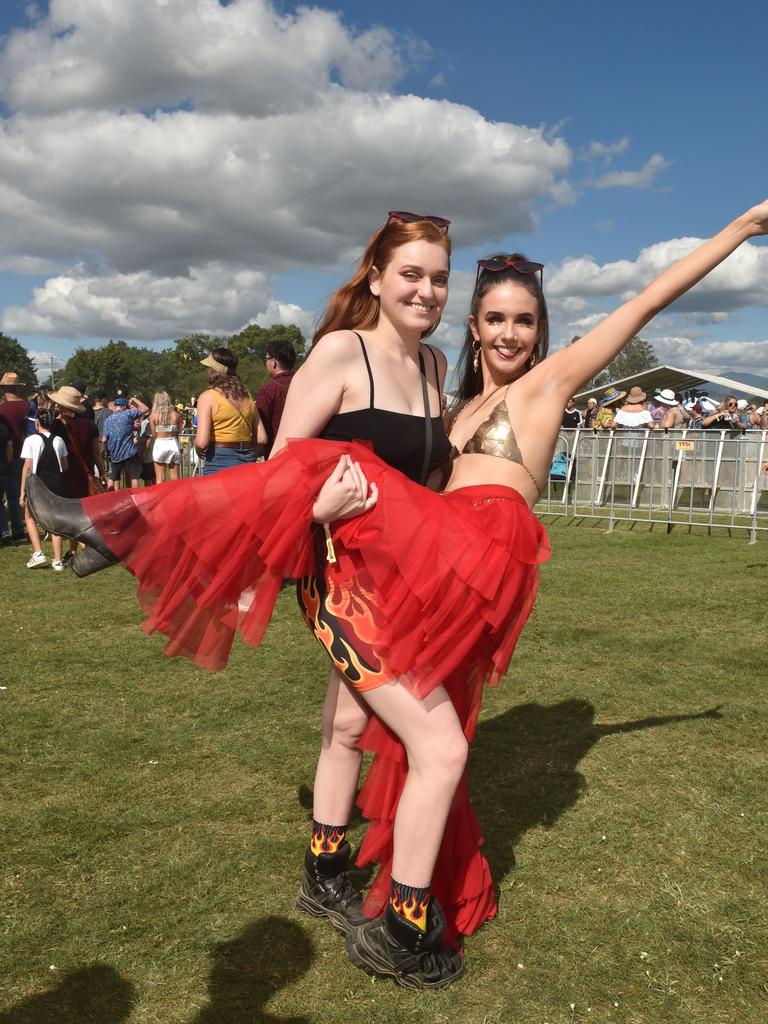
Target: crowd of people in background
81, 443
665, 410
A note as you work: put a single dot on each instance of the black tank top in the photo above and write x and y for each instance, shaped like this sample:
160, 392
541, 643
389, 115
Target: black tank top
398, 438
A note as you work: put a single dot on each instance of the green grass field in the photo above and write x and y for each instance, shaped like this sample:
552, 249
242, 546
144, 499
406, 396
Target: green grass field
154, 816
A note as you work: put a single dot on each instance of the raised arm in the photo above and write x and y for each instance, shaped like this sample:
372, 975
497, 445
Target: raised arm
569, 369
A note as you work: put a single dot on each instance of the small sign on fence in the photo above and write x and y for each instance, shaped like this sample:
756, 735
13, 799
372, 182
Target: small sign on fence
683, 446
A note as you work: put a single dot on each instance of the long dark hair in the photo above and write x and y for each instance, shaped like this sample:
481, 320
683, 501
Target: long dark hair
471, 380
229, 384
352, 306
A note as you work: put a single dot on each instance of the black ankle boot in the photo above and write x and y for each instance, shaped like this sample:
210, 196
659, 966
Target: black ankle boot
63, 516
89, 561
391, 947
327, 892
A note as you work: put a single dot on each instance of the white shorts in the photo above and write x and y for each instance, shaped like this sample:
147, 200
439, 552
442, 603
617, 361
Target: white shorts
166, 451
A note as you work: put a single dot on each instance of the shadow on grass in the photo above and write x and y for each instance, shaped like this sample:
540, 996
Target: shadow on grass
266, 956
523, 768
91, 995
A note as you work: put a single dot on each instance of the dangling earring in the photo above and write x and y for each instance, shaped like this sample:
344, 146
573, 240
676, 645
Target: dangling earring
475, 355
531, 361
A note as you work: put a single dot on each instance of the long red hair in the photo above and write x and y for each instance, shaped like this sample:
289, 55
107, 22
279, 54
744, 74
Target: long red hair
352, 307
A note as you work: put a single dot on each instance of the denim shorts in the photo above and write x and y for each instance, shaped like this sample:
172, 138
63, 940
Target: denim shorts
220, 458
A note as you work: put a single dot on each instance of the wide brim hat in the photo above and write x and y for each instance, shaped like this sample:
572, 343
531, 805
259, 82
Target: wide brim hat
214, 364
11, 380
612, 395
635, 396
667, 397
68, 398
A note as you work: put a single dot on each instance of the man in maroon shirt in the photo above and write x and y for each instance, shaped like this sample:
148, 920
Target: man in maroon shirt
270, 399
14, 411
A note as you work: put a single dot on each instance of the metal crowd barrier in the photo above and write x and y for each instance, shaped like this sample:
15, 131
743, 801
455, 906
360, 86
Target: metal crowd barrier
710, 478
191, 464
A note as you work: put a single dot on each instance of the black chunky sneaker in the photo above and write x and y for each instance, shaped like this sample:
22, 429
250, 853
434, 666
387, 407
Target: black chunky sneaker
391, 947
327, 892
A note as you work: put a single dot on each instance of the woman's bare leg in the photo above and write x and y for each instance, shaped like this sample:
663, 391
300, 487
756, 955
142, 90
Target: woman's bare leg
436, 746
159, 473
338, 768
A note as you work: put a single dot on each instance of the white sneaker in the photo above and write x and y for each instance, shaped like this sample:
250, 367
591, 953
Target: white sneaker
57, 566
38, 558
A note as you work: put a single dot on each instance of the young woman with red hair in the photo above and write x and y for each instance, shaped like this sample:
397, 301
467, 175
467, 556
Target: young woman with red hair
418, 597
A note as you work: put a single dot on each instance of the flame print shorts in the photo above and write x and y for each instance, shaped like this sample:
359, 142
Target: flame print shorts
344, 620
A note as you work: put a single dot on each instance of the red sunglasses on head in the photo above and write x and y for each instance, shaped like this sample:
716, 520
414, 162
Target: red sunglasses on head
404, 217
498, 263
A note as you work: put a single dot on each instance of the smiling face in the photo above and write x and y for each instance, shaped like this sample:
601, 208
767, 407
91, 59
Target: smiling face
507, 327
413, 288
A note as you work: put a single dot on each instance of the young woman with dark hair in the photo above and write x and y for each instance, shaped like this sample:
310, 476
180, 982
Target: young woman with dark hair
422, 596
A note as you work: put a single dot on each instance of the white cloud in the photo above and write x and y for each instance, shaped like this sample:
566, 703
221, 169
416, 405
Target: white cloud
244, 57
710, 356
606, 151
642, 178
288, 313
143, 306
741, 280
181, 188
151, 141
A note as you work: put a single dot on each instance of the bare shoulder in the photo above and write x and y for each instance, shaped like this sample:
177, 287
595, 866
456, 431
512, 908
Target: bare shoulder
333, 348
438, 353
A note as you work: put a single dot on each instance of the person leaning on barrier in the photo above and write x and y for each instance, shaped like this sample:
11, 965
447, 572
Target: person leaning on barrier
633, 414
725, 417
605, 416
676, 416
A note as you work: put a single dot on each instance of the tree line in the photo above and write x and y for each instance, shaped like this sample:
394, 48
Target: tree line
140, 370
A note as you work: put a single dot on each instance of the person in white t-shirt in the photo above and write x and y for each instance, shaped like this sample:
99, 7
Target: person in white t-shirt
45, 455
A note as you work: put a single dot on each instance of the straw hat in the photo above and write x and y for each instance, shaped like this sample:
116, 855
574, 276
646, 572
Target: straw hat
612, 395
214, 364
11, 380
635, 396
68, 398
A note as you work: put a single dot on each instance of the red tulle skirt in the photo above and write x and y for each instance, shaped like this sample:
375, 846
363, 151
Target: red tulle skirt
450, 580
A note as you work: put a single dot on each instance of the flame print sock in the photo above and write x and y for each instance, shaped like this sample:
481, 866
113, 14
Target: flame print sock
410, 903
326, 838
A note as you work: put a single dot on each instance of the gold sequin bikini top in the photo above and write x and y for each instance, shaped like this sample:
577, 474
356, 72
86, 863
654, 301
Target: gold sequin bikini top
496, 437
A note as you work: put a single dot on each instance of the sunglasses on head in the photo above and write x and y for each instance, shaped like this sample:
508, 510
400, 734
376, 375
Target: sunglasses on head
404, 217
498, 263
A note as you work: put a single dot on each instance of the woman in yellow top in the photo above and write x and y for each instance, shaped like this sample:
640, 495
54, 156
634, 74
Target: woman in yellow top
229, 429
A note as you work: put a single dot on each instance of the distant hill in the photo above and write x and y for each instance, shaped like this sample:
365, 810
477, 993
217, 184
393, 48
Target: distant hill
747, 378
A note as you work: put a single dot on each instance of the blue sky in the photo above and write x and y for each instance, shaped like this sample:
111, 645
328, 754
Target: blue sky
152, 187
